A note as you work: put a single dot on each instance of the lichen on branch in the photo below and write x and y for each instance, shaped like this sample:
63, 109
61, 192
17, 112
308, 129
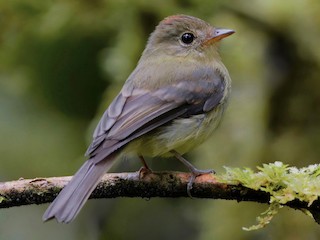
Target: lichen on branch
284, 184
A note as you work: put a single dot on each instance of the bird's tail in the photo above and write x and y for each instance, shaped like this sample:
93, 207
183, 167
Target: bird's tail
71, 199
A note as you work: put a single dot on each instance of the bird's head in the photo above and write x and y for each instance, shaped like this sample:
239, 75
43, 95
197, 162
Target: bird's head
182, 35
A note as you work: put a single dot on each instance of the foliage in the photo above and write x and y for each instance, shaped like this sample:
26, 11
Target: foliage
283, 183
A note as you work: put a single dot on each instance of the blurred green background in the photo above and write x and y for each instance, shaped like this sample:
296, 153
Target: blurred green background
61, 62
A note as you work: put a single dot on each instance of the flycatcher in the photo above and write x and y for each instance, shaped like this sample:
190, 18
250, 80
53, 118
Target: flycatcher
171, 102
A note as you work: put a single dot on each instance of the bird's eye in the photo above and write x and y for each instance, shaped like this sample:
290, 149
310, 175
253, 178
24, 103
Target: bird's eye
187, 38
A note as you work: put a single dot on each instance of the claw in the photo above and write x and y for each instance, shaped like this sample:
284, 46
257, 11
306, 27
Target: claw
194, 171
190, 185
143, 172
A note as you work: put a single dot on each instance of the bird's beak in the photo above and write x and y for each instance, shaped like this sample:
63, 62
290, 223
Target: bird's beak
217, 34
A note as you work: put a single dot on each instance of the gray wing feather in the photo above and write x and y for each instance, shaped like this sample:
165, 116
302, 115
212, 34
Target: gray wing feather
134, 112
109, 118
139, 110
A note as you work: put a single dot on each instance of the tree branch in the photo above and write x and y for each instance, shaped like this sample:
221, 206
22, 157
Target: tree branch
276, 184
137, 184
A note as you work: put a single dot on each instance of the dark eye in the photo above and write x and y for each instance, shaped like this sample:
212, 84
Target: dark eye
187, 38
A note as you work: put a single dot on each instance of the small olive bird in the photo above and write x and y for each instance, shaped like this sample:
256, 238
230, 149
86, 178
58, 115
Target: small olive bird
171, 102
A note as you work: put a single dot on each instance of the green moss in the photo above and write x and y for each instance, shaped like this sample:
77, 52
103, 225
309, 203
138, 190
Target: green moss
2, 199
265, 217
283, 183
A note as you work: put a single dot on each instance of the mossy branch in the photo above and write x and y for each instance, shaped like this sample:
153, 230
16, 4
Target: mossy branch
270, 185
135, 184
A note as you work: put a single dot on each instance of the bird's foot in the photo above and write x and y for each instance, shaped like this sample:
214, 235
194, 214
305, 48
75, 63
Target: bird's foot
194, 171
194, 174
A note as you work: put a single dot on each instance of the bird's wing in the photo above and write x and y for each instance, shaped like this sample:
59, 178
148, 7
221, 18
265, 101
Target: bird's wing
135, 112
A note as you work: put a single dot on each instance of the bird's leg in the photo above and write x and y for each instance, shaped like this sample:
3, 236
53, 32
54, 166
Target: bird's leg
144, 163
145, 168
194, 171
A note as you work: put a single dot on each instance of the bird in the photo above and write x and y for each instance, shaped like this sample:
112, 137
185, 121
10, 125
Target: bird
172, 101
